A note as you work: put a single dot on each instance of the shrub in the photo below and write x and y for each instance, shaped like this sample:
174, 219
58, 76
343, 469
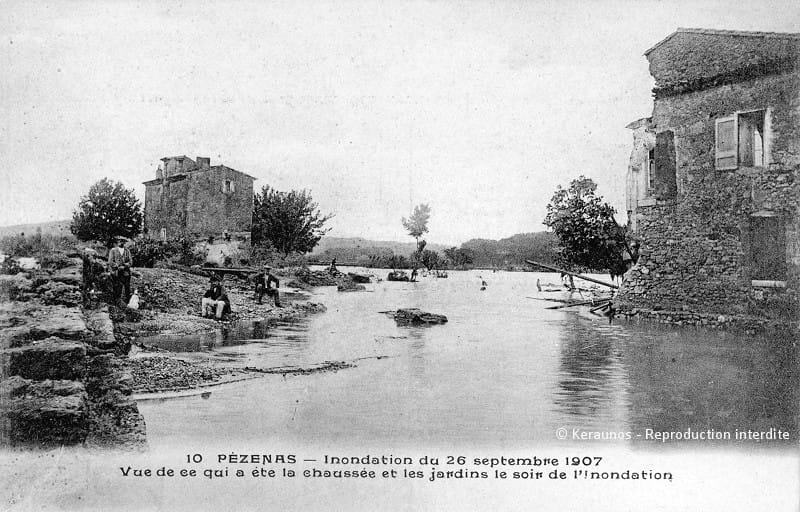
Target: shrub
10, 266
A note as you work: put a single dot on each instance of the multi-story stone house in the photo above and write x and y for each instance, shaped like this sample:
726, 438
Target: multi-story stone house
194, 199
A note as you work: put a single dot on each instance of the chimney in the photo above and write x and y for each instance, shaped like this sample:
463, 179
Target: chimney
203, 162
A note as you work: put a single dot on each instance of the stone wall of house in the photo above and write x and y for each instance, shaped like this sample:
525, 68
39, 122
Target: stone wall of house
197, 205
696, 249
165, 207
694, 253
688, 60
691, 117
210, 210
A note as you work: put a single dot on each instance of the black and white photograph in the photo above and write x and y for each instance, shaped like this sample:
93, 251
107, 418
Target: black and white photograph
410, 255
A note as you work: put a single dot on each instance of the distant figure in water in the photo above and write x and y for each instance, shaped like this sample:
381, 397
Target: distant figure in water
332, 268
414, 274
609, 312
538, 285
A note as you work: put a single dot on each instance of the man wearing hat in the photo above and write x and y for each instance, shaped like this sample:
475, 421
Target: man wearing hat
119, 265
264, 282
215, 301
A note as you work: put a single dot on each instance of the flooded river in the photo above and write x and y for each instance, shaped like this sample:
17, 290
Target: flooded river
504, 371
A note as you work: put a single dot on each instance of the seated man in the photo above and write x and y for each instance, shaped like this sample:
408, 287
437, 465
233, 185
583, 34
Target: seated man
215, 300
264, 282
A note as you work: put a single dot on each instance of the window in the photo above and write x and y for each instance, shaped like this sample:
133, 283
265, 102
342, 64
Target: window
741, 141
651, 171
163, 233
228, 186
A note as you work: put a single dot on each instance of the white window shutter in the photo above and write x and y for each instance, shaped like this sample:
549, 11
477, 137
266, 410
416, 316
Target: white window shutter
726, 141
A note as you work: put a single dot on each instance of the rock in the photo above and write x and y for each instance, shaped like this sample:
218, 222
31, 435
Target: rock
59, 293
52, 358
60, 322
397, 275
14, 287
417, 316
359, 278
47, 413
69, 275
348, 285
99, 322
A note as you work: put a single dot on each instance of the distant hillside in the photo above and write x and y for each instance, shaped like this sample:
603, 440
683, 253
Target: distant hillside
362, 245
56, 227
540, 246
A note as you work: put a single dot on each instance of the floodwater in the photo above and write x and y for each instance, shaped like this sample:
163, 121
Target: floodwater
504, 371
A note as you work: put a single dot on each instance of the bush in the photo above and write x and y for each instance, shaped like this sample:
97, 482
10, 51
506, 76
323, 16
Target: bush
10, 266
146, 252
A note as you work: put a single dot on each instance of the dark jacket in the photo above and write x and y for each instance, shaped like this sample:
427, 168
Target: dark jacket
217, 292
264, 279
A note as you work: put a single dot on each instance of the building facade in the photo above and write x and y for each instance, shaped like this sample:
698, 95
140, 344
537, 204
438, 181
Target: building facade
713, 180
193, 199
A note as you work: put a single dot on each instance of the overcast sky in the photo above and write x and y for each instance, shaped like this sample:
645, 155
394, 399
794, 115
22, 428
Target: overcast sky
478, 108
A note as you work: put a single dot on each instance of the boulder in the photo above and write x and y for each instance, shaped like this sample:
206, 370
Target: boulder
51, 358
417, 316
397, 275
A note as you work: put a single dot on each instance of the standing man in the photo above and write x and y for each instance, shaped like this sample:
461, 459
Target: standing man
119, 265
264, 281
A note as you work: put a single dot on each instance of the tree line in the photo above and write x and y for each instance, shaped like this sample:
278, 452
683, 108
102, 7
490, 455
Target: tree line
583, 233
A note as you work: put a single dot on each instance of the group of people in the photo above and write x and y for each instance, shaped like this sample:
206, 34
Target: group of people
216, 304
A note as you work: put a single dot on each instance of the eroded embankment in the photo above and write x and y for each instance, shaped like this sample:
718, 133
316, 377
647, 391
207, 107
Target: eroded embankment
62, 374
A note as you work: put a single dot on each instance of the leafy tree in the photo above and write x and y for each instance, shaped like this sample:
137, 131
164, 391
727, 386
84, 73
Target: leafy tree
587, 232
289, 221
417, 224
430, 259
459, 257
108, 211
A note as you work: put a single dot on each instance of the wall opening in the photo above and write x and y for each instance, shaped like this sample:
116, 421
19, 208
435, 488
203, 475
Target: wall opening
665, 185
768, 248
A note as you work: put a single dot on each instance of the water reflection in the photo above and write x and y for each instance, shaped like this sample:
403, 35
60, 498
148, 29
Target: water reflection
706, 380
590, 372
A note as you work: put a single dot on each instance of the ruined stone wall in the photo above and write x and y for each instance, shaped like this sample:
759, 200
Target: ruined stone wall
210, 210
695, 249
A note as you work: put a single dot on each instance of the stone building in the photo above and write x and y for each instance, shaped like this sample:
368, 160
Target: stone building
194, 199
713, 179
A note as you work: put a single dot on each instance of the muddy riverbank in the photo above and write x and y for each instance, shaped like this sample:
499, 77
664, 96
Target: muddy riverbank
170, 310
